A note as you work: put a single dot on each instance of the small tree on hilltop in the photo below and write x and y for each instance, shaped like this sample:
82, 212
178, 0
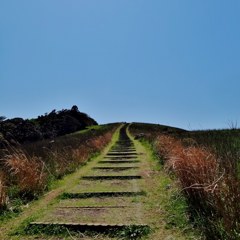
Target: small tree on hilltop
74, 108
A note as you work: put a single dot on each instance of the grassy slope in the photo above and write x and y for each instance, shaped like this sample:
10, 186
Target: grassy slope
216, 209
35, 208
165, 208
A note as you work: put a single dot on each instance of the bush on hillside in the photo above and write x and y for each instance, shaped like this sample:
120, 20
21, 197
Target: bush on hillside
56, 123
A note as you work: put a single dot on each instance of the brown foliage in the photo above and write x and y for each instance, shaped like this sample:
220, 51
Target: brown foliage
27, 172
66, 160
210, 191
3, 195
195, 167
31, 167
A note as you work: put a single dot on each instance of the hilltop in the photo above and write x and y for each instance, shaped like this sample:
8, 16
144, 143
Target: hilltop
48, 126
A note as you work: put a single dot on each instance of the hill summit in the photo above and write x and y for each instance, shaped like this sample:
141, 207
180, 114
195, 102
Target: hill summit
48, 126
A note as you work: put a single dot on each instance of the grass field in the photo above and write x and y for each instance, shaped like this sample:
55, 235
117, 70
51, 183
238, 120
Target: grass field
194, 180
159, 205
206, 166
29, 170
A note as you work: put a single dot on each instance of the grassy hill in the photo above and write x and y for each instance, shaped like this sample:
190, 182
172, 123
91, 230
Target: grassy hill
204, 164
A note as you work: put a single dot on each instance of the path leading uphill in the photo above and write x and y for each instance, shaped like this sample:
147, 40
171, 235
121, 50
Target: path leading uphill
123, 193
109, 197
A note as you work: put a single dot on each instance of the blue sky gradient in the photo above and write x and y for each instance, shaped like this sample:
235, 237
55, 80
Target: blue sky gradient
174, 62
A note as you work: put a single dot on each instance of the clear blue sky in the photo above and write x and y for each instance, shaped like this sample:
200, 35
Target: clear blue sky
174, 62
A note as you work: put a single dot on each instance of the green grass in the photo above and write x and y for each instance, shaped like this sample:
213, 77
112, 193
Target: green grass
106, 201
105, 186
162, 207
61, 157
216, 213
168, 195
90, 128
11, 221
165, 205
131, 232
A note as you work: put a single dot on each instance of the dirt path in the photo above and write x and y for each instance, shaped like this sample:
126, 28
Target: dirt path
119, 191
102, 200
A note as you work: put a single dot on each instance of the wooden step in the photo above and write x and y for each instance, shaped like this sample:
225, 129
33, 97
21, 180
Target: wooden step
114, 168
101, 194
118, 161
82, 227
122, 154
119, 177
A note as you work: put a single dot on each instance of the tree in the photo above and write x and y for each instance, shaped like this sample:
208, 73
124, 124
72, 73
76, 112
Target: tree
74, 108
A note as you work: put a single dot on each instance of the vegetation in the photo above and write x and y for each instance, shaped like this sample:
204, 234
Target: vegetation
27, 170
165, 206
161, 208
206, 164
56, 123
3, 197
124, 233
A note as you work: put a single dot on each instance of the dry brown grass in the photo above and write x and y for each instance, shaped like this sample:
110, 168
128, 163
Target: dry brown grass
206, 165
99, 142
212, 193
27, 172
195, 167
66, 160
3, 196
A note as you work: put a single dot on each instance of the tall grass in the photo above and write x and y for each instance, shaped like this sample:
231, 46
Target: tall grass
3, 195
211, 186
31, 167
212, 193
65, 159
27, 173
225, 144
